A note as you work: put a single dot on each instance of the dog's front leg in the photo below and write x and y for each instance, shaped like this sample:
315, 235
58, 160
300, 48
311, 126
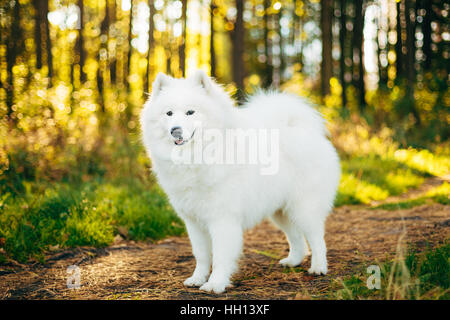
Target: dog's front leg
226, 237
201, 248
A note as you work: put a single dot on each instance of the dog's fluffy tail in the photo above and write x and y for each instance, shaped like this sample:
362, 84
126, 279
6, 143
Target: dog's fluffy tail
288, 110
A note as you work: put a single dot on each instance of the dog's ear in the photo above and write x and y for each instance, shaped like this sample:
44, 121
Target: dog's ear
160, 82
202, 79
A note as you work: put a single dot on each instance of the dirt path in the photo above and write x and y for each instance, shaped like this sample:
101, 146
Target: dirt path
128, 270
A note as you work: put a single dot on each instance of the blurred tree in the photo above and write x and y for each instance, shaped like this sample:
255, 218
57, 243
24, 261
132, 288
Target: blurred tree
410, 58
37, 31
127, 72
399, 49
102, 56
282, 60
342, 38
358, 72
237, 40
151, 44
212, 10
426, 30
182, 48
325, 26
268, 73
48, 40
168, 48
297, 32
79, 45
381, 50
113, 57
14, 47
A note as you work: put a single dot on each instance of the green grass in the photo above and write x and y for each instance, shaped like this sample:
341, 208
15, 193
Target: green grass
424, 161
423, 275
88, 214
439, 195
400, 205
293, 270
383, 173
369, 178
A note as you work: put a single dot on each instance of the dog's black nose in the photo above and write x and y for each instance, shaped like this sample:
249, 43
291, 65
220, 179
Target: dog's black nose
177, 132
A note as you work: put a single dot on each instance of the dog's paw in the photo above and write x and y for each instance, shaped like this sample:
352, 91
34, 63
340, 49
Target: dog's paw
216, 287
318, 270
194, 281
289, 262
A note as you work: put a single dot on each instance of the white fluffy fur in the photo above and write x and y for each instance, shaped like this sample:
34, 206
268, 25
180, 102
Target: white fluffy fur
219, 202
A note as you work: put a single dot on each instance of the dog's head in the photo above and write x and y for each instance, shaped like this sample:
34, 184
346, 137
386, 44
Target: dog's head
177, 108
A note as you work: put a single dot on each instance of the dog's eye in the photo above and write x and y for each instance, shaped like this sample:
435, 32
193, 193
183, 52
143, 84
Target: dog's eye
169, 113
190, 112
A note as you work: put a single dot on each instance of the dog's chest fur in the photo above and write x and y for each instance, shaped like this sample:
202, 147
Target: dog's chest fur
191, 186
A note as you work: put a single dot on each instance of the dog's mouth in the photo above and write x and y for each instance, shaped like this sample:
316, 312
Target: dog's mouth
180, 141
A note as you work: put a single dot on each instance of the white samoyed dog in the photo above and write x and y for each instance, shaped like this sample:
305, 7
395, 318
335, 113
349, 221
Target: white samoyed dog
295, 185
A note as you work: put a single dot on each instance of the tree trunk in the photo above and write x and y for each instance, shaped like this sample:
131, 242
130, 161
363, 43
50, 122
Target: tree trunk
182, 53
102, 60
382, 71
37, 32
268, 76
130, 47
48, 43
167, 43
237, 36
293, 31
410, 60
79, 46
12, 51
326, 65
399, 44
151, 41
358, 38
42, 27
426, 30
211, 40
296, 33
113, 60
281, 45
342, 37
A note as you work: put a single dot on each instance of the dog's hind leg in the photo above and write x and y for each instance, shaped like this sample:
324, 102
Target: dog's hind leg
201, 248
314, 233
298, 247
310, 217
